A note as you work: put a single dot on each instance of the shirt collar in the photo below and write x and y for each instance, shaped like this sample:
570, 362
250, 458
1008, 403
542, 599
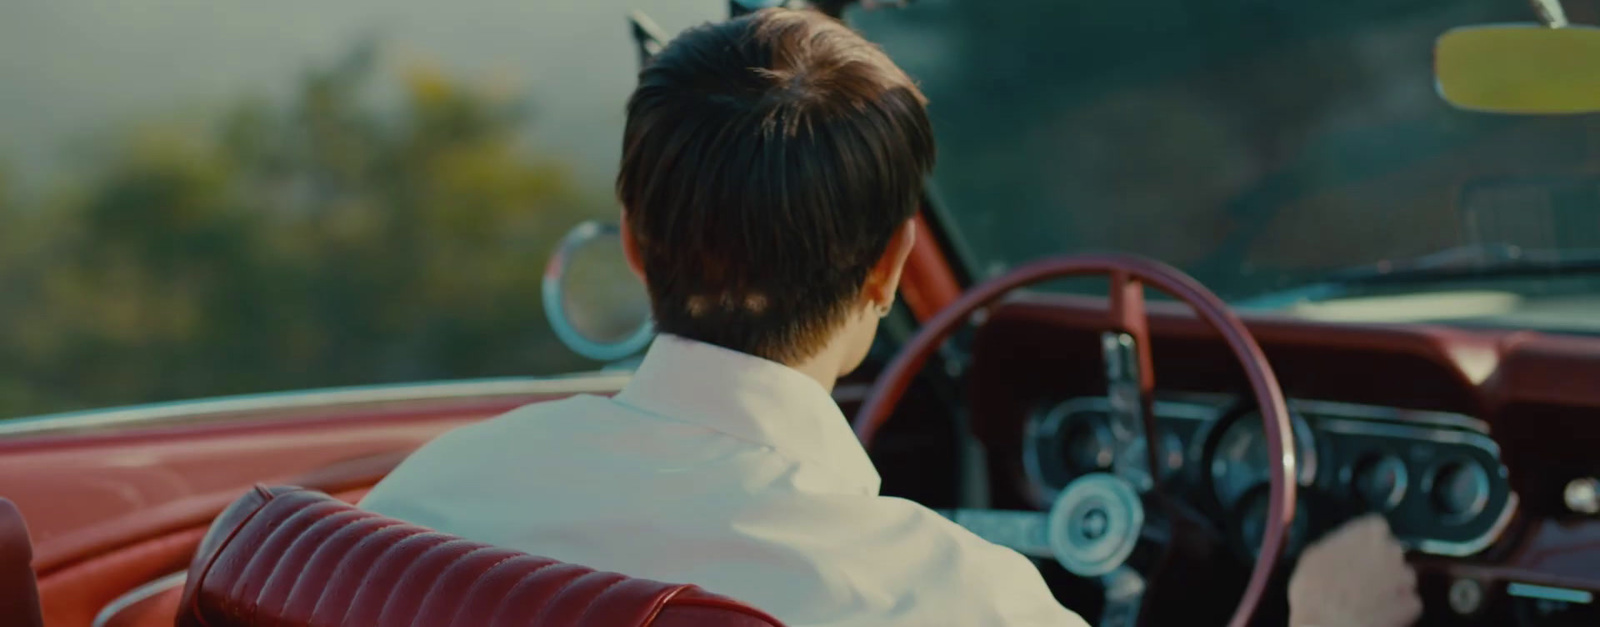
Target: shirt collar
752, 399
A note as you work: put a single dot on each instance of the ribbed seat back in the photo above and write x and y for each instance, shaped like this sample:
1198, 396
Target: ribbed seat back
19, 588
288, 557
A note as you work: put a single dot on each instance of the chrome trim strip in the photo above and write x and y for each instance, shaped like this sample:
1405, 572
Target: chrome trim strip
1549, 593
1164, 408
147, 415
1024, 532
1470, 547
136, 595
1408, 432
1333, 409
1186, 410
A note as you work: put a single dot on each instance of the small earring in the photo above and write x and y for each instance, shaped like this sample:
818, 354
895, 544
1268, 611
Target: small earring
883, 309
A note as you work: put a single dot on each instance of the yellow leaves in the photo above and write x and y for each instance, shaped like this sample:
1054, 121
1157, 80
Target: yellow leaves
120, 302
328, 238
428, 86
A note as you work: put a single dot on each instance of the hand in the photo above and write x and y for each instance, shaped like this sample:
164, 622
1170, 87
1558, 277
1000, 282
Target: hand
1355, 577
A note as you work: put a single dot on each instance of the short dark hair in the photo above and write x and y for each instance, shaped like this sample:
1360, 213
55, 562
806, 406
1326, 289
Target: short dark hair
766, 163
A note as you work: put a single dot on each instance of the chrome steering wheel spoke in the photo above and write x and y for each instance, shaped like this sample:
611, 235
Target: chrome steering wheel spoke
1092, 530
1124, 597
1027, 533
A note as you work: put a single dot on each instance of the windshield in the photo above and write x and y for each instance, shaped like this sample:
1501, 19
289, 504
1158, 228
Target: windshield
1257, 145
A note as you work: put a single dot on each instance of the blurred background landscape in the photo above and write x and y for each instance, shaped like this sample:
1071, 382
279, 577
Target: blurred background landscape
202, 198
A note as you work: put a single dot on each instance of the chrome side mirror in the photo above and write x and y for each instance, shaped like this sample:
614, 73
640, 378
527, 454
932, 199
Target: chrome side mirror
595, 304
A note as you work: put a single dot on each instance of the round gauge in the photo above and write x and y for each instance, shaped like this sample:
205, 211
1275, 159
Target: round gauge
1239, 461
1086, 446
1064, 443
1460, 489
1252, 527
1133, 463
1379, 481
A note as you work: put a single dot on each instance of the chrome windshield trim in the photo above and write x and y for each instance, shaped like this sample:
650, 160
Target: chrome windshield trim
137, 595
153, 414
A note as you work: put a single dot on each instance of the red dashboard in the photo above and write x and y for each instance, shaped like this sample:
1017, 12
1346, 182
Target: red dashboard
1536, 395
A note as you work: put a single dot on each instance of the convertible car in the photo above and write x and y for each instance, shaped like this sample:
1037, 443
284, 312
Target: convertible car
1163, 452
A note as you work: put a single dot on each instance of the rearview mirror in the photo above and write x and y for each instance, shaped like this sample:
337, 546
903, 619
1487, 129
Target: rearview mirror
1520, 68
595, 304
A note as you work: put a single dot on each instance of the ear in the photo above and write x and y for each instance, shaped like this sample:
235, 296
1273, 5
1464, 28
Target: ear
630, 248
885, 277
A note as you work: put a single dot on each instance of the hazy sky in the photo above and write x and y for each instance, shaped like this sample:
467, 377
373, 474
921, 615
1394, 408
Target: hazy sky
70, 69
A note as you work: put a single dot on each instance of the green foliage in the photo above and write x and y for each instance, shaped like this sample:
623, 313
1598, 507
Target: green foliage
334, 238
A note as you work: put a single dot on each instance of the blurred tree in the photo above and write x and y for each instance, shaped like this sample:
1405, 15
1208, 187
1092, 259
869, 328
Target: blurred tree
338, 237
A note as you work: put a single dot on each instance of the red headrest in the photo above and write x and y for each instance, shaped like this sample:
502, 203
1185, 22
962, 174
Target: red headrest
293, 557
19, 590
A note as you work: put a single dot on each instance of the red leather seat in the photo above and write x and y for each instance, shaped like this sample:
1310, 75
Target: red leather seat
19, 590
289, 557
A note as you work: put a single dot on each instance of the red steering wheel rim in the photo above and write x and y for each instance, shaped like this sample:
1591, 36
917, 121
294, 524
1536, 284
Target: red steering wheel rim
1128, 274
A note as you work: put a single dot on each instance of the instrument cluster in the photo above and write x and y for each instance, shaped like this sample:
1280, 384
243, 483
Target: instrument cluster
1437, 477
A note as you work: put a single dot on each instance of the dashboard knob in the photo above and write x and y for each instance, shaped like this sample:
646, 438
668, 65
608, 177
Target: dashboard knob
1583, 495
1460, 489
1466, 596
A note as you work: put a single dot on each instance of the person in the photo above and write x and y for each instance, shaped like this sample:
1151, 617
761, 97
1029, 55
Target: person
771, 166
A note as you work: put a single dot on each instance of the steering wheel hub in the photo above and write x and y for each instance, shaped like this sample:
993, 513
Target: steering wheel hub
1095, 524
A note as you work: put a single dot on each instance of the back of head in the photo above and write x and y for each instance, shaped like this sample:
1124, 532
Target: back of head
767, 162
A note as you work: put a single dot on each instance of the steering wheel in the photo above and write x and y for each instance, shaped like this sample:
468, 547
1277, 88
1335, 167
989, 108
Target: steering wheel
1099, 519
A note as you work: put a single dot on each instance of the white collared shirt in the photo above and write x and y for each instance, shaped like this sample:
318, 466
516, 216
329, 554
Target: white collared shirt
724, 470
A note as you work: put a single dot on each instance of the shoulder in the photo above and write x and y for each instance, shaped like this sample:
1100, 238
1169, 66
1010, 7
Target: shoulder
480, 448
534, 419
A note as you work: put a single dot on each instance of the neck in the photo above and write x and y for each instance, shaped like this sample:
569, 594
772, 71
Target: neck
843, 353
824, 367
